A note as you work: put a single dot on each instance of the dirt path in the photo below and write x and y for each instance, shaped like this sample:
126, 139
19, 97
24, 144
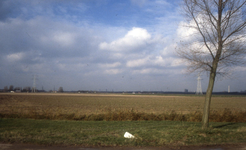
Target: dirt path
41, 147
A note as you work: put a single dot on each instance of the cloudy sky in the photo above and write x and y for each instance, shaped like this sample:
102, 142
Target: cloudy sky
98, 45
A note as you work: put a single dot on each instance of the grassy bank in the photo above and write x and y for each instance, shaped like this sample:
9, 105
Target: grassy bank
225, 115
104, 133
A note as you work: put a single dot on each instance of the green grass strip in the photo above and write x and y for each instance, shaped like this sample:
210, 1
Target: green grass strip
110, 133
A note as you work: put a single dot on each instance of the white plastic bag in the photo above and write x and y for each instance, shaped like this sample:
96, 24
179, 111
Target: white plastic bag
128, 135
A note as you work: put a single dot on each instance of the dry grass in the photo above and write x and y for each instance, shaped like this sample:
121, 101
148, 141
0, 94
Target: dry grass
119, 107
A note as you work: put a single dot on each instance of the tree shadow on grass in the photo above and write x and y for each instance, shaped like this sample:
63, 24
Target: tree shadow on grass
225, 125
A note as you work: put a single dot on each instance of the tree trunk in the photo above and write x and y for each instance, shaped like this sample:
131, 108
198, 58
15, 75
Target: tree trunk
206, 110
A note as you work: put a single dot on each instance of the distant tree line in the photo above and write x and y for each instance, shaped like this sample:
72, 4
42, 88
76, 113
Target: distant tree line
17, 89
26, 89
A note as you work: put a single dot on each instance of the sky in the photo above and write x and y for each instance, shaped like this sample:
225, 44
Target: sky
113, 45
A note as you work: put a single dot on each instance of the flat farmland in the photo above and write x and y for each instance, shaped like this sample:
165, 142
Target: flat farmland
102, 120
87, 104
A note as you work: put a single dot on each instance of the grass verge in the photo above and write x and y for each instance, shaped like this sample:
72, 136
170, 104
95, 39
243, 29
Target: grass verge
110, 133
225, 115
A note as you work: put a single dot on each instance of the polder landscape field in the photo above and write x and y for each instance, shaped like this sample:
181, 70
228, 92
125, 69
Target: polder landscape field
102, 119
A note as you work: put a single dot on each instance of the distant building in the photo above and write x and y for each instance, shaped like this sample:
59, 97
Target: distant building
186, 90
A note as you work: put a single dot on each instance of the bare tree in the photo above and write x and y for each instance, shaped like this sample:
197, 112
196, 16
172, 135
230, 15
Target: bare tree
219, 43
27, 89
60, 90
5, 89
11, 88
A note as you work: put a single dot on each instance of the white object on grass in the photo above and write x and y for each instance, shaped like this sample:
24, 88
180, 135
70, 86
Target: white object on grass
128, 135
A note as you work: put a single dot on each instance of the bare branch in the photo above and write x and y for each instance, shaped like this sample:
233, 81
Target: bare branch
202, 34
238, 29
220, 25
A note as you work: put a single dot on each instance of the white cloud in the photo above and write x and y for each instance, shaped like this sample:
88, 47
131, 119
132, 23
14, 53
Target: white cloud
168, 50
110, 65
134, 39
155, 62
176, 62
15, 57
64, 38
150, 60
184, 32
112, 71
149, 71
161, 2
167, 61
137, 63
